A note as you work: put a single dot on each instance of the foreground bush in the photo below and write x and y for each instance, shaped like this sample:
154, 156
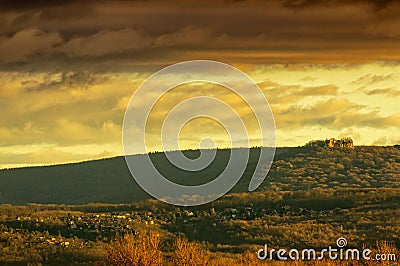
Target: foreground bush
189, 253
142, 248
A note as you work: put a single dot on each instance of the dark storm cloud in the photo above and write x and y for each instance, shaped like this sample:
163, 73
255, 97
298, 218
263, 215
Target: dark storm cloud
26, 5
126, 34
377, 4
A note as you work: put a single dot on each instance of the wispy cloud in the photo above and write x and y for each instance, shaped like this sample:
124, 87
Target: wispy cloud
391, 92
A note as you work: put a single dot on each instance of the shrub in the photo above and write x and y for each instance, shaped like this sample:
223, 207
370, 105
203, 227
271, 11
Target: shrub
189, 253
141, 249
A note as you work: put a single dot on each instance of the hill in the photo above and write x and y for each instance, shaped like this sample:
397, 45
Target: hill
294, 169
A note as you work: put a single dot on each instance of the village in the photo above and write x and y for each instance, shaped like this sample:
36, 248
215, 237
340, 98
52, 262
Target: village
59, 230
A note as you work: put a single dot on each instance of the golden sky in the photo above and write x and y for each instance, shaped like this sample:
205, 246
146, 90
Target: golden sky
69, 68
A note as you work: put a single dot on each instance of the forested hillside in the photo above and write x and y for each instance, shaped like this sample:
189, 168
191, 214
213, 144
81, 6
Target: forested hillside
294, 169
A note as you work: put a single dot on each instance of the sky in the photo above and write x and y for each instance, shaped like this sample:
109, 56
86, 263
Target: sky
69, 68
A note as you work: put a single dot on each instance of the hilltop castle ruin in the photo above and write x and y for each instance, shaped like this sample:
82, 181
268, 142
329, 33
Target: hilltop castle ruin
340, 143
332, 143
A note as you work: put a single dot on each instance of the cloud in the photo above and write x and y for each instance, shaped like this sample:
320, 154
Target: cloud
385, 28
26, 133
44, 155
376, 4
106, 42
65, 80
112, 35
371, 79
390, 92
122, 103
62, 132
186, 36
17, 156
68, 132
350, 131
23, 5
278, 94
386, 141
329, 89
26, 43
308, 78
385, 22
333, 114
62, 108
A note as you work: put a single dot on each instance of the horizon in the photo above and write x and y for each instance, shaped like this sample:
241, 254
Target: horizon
154, 152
